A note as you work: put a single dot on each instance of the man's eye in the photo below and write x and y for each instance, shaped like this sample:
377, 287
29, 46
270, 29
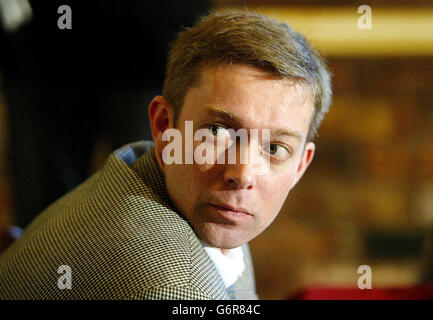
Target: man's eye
277, 151
273, 148
218, 130
214, 129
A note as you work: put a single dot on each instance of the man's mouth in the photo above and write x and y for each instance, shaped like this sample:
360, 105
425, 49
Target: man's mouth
231, 213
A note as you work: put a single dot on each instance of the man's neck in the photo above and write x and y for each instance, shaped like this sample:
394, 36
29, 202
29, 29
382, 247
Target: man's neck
224, 251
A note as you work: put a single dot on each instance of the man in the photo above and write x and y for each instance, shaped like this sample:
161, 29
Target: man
148, 226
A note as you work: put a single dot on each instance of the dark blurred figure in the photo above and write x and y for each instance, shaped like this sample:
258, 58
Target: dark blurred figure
66, 88
427, 261
7, 236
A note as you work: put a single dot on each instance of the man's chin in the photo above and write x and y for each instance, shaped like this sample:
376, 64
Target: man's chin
221, 245
223, 239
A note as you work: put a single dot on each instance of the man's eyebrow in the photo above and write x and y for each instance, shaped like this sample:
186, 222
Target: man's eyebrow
285, 132
218, 111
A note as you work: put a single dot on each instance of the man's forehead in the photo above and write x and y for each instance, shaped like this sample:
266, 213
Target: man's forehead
211, 72
223, 78
252, 98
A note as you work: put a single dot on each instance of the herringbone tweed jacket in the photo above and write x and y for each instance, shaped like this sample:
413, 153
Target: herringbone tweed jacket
121, 239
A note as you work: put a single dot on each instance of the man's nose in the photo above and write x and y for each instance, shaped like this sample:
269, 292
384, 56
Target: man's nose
240, 174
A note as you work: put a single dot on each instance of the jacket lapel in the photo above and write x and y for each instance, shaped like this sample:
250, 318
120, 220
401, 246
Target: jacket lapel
203, 271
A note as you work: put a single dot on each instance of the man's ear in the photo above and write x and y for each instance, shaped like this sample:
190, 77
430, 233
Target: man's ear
306, 159
161, 117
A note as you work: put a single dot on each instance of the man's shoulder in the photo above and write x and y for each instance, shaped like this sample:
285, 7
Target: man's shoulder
117, 195
117, 234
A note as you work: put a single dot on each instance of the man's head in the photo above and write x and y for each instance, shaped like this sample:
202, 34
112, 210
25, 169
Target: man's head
240, 70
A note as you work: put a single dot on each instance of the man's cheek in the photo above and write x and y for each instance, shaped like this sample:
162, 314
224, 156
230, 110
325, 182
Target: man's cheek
202, 168
278, 194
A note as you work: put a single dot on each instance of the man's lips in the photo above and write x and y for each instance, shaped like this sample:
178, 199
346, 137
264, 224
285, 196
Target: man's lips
231, 208
230, 214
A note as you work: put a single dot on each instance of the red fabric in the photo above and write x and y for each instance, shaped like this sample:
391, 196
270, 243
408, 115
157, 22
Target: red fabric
335, 293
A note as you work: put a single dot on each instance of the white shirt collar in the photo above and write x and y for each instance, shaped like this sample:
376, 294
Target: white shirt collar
229, 266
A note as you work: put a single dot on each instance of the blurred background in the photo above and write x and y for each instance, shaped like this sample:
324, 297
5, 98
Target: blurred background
69, 97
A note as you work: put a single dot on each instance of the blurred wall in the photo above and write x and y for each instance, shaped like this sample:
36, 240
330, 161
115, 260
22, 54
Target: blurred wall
367, 198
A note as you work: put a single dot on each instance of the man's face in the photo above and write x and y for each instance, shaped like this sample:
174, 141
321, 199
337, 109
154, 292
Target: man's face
229, 204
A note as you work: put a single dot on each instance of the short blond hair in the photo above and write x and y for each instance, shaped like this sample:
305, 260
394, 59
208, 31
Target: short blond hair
245, 37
